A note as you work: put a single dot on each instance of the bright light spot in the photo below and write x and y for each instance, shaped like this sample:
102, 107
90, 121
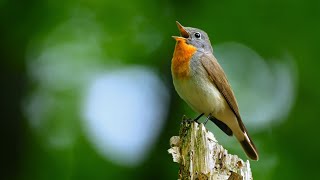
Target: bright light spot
124, 112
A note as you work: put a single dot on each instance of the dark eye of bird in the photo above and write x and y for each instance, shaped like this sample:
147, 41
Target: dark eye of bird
197, 35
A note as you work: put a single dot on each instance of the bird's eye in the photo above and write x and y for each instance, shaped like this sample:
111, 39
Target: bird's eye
197, 35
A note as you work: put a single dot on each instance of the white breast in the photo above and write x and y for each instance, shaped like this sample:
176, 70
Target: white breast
200, 94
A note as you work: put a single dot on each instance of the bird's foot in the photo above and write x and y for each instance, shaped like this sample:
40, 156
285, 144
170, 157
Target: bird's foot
190, 120
186, 119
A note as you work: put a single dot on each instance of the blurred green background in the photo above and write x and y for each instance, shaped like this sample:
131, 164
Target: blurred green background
87, 89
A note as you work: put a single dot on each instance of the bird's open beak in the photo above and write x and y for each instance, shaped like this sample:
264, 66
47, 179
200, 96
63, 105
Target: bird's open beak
183, 32
178, 38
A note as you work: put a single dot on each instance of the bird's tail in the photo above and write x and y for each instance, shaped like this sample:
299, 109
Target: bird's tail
249, 147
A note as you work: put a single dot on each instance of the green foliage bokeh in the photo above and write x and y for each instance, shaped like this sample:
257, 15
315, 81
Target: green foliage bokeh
139, 32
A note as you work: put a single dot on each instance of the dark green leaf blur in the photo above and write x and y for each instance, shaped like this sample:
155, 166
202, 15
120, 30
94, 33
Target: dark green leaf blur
87, 91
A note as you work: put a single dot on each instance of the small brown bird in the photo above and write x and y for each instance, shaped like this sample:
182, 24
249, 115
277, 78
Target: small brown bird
201, 82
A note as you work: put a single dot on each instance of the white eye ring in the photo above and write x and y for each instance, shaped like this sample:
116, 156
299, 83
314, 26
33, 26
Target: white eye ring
197, 35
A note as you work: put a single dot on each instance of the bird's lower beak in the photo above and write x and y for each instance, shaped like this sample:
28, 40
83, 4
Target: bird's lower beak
182, 30
178, 38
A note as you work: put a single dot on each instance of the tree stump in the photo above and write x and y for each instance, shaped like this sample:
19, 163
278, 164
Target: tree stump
201, 157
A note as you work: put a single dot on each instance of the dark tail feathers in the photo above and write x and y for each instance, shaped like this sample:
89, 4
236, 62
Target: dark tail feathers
249, 148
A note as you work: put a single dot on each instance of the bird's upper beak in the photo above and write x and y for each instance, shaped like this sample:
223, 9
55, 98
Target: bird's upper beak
183, 32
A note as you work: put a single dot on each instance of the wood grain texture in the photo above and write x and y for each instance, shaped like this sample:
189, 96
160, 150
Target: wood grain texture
201, 157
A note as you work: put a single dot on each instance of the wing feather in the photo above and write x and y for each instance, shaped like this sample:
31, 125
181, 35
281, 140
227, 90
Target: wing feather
219, 79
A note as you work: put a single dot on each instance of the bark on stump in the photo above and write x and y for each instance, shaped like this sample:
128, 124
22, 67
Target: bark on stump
201, 157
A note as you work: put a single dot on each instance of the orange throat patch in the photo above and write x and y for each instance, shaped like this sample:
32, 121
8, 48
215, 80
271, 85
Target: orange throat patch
181, 58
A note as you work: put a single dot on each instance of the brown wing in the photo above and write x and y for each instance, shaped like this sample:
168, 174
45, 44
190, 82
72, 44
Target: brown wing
218, 77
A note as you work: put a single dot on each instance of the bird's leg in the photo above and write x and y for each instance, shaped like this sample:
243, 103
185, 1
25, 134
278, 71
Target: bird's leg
197, 118
209, 116
189, 120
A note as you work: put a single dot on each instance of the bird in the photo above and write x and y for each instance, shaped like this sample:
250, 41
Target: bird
201, 82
